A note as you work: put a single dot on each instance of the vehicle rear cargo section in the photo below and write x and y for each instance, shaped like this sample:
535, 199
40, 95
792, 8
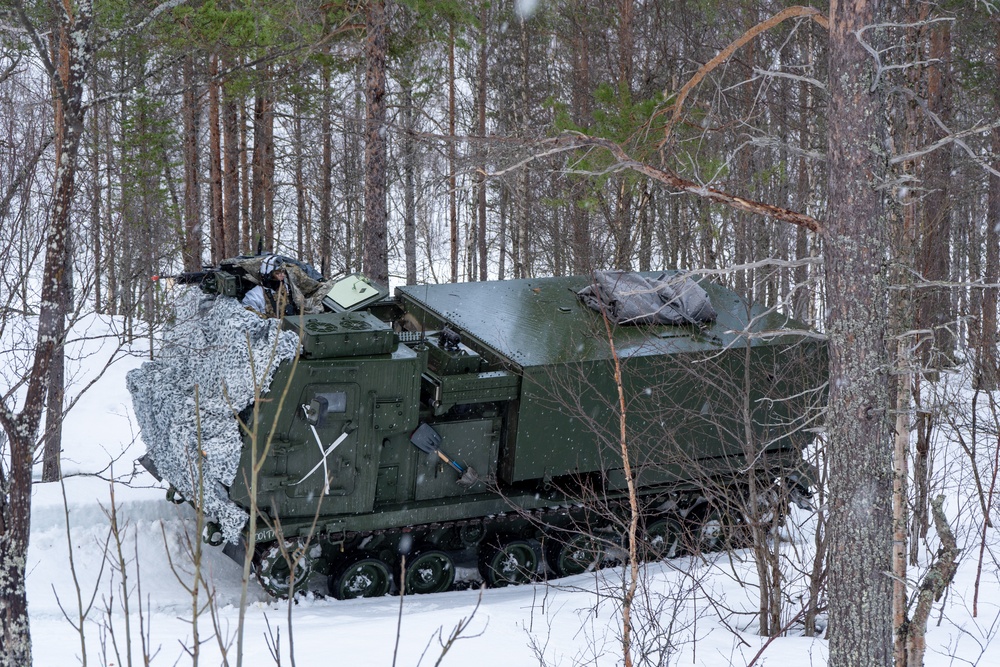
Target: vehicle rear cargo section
699, 395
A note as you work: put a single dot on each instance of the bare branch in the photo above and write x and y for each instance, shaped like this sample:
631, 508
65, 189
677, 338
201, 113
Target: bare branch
668, 177
876, 54
9, 71
788, 75
950, 137
749, 35
22, 175
36, 41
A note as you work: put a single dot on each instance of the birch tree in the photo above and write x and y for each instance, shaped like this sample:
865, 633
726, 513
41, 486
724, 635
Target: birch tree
73, 21
22, 427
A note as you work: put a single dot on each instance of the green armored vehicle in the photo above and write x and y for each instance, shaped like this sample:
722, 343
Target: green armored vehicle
480, 420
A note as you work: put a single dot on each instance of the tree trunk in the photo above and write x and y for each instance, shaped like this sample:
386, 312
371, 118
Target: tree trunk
645, 229
300, 187
215, 162
257, 174
519, 235
623, 220
621, 224
230, 174
326, 177
579, 216
858, 423
626, 46
96, 226
802, 295
986, 353
352, 175
409, 185
52, 439
243, 227
921, 477
484, 14
22, 428
502, 234
268, 141
192, 193
111, 249
262, 191
375, 262
52, 447
899, 501
452, 179
935, 311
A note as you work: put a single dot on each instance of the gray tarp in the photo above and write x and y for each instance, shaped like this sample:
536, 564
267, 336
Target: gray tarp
631, 298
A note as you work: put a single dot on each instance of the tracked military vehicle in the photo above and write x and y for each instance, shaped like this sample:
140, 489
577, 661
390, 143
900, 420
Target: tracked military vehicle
479, 421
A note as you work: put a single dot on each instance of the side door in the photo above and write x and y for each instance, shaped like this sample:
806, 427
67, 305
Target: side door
326, 431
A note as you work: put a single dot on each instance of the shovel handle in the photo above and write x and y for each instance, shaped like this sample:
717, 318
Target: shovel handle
449, 461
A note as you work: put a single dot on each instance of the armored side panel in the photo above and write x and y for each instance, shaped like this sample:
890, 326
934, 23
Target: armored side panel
331, 456
444, 392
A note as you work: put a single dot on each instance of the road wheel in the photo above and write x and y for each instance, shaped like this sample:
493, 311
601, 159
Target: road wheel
662, 539
429, 572
708, 531
362, 578
574, 555
513, 562
283, 573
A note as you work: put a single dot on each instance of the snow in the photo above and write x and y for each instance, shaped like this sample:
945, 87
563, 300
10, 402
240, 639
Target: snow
526, 8
704, 607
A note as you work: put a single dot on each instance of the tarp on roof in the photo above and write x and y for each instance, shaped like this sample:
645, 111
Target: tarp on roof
631, 298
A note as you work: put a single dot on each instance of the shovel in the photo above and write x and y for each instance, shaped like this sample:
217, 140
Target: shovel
426, 439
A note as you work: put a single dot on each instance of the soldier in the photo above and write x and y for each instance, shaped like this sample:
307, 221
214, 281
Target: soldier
265, 298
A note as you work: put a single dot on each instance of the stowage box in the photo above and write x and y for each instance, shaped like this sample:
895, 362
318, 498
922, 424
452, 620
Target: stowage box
330, 335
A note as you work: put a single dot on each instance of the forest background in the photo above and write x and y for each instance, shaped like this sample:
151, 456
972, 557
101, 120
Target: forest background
843, 169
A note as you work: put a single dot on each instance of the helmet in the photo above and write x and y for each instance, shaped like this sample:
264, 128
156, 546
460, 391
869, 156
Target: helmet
269, 265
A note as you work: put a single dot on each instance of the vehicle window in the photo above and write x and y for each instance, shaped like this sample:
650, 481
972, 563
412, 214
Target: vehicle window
336, 401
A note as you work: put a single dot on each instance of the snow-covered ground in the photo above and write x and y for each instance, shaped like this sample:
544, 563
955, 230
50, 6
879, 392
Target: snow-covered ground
692, 611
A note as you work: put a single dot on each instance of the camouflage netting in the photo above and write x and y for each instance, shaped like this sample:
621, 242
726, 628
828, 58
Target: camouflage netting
207, 348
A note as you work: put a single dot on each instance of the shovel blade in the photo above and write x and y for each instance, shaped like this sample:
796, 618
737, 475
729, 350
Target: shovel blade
426, 439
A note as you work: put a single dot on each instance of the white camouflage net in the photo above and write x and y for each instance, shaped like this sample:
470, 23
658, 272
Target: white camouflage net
210, 347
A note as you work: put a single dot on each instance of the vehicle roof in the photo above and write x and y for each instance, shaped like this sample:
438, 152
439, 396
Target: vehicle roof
541, 321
